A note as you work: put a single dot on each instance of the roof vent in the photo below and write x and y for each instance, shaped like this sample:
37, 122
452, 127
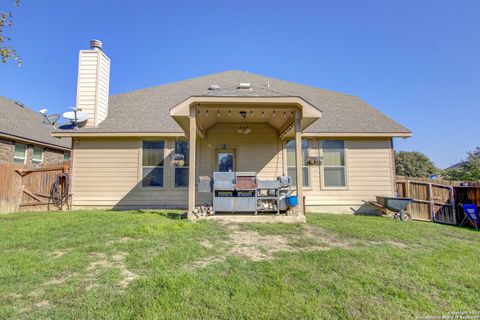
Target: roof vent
244, 85
214, 87
96, 44
20, 104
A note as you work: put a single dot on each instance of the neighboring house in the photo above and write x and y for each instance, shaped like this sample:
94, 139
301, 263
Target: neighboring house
24, 139
126, 156
457, 165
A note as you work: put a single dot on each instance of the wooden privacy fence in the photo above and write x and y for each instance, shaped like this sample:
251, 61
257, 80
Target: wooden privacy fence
24, 188
431, 201
465, 195
441, 181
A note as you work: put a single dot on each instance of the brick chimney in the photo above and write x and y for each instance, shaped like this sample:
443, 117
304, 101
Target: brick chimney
93, 83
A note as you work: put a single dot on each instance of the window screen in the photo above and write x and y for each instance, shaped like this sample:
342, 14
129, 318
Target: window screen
153, 163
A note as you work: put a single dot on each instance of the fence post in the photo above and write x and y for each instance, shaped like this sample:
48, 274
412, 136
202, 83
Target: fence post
454, 210
432, 204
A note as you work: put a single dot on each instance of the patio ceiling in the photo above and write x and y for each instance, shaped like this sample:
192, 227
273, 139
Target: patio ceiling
209, 115
278, 112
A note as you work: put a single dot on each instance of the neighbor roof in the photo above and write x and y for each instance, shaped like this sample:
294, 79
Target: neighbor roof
147, 110
20, 122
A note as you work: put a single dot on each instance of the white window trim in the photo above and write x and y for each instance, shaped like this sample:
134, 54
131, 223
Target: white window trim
24, 159
309, 173
345, 166
37, 161
141, 166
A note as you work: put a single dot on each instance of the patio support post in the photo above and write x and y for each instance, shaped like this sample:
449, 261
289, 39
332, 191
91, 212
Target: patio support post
191, 163
298, 161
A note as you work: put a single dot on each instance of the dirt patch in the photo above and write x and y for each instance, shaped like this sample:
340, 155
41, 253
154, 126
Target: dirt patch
254, 246
100, 262
207, 243
257, 247
121, 240
117, 261
59, 253
60, 280
42, 304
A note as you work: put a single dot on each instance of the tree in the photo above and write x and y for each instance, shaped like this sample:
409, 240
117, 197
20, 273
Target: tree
7, 52
413, 164
469, 170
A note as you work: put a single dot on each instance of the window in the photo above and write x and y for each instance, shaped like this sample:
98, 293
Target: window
152, 163
181, 163
20, 153
66, 156
37, 156
291, 171
334, 163
225, 160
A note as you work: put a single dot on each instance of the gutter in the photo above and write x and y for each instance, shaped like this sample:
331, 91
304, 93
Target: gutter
359, 134
31, 141
71, 134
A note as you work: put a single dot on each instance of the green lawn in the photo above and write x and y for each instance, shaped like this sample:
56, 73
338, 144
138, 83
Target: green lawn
148, 265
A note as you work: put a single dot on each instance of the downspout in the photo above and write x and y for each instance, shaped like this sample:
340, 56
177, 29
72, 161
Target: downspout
393, 168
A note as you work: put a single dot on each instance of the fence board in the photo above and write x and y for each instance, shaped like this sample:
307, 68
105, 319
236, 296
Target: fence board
24, 188
465, 195
431, 201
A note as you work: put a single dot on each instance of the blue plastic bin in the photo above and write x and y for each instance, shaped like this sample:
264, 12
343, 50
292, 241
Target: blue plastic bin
292, 201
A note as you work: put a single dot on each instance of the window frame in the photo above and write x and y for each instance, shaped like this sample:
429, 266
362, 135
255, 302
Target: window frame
345, 166
142, 167
65, 158
42, 155
24, 155
187, 167
307, 167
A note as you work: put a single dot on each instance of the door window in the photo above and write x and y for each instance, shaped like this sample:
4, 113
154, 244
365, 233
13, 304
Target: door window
225, 161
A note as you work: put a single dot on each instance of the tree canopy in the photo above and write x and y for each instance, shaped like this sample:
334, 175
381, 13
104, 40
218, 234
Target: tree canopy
468, 170
413, 164
7, 52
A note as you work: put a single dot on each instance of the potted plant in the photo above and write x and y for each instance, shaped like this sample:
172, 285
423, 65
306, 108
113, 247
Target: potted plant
178, 160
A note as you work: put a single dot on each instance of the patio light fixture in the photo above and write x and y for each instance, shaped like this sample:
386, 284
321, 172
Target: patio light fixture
244, 128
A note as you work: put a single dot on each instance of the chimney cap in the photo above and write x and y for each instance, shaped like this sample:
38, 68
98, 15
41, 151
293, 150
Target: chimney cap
96, 44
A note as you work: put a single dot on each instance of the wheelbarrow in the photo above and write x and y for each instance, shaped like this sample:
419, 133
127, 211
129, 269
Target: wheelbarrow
394, 207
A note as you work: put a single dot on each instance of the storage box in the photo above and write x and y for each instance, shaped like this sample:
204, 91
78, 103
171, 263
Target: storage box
204, 184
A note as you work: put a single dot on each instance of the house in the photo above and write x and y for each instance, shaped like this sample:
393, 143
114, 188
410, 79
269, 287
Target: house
126, 156
457, 165
25, 139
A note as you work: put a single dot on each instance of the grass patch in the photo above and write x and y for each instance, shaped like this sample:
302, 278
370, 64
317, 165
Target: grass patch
151, 265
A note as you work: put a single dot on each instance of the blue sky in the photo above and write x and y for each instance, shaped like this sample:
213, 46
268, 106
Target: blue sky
416, 61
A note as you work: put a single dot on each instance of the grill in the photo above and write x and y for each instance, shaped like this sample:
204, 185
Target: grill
243, 192
234, 192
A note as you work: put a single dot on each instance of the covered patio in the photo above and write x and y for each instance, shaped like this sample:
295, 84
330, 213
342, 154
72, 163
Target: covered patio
242, 133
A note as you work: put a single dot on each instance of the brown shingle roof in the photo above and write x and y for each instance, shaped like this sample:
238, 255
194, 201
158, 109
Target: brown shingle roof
147, 110
19, 121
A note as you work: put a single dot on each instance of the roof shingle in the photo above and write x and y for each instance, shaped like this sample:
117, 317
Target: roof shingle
147, 110
19, 121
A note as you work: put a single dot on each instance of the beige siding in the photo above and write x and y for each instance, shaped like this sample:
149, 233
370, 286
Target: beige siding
107, 172
259, 151
103, 87
369, 173
93, 85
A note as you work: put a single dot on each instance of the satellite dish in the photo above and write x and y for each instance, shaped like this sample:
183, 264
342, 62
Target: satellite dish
82, 117
77, 119
76, 116
51, 119
69, 115
67, 126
